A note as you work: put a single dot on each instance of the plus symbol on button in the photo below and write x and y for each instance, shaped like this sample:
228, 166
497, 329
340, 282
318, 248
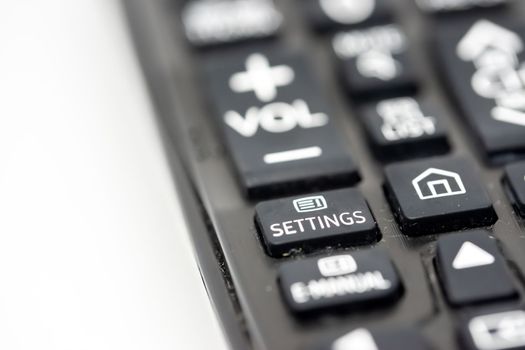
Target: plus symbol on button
261, 78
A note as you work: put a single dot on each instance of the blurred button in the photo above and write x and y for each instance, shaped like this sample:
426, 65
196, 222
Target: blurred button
329, 14
404, 127
214, 22
374, 61
484, 64
391, 339
364, 278
495, 330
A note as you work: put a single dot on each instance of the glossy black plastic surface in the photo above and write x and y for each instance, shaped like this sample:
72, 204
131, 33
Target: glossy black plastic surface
173, 71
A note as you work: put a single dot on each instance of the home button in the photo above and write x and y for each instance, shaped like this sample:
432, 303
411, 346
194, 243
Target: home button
437, 195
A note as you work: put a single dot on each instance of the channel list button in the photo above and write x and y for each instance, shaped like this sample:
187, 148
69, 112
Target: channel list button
364, 278
310, 222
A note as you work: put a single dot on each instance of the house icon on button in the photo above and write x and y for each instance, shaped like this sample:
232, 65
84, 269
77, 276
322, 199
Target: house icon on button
436, 183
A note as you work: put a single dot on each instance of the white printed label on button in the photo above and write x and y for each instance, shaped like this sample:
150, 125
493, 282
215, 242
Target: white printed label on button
293, 155
330, 287
261, 78
470, 255
404, 119
337, 265
387, 38
219, 21
348, 11
317, 223
499, 75
360, 339
276, 117
500, 331
378, 64
437, 183
308, 204
373, 49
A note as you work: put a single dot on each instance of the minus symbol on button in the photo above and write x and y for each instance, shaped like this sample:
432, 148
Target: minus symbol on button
293, 155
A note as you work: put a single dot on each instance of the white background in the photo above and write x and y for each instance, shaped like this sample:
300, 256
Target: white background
93, 252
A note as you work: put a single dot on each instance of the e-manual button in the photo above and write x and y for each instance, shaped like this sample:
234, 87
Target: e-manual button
366, 278
315, 221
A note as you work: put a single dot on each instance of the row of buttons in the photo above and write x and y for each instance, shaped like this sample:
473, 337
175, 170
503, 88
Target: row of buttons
214, 22
500, 329
278, 125
428, 196
279, 130
471, 270
470, 266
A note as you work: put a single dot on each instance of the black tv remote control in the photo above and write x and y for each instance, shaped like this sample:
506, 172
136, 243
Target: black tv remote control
353, 172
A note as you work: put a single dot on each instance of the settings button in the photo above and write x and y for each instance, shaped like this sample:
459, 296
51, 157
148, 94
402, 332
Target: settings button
315, 221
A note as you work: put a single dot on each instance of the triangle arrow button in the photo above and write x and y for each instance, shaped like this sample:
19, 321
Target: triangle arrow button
472, 269
379, 339
470, 255
359, 339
